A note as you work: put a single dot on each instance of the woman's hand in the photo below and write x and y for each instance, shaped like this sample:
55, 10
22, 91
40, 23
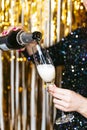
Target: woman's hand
28, 47
67, 100
9, 29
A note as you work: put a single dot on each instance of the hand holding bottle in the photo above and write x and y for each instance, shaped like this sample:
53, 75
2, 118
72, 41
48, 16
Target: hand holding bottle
16, 38
9, 29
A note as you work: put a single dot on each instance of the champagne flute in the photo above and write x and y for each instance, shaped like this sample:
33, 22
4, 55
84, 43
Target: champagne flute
44, 64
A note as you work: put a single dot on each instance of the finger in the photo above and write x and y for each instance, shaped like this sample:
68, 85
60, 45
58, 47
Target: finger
9, 29
51, 88
55, 91
61, 103
61, 108
61, 91
66, 95
59, 96
6, 31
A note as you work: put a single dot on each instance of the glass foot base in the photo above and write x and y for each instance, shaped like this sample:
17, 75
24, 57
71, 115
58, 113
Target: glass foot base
64, 119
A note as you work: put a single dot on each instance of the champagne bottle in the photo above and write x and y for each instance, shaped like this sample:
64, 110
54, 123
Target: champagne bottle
18, 39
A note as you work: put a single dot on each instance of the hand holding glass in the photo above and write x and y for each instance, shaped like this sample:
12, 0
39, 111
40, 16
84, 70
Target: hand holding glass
46, 71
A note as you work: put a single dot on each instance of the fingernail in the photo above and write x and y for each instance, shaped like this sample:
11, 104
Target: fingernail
4, 33
14, 28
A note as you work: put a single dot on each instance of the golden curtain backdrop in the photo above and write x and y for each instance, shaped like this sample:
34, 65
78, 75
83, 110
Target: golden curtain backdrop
25, 104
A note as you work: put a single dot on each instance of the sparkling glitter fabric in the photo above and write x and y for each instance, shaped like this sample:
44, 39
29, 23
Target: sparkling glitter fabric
71, 52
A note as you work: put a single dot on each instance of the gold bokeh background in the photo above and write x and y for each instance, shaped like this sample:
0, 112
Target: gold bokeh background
24, 102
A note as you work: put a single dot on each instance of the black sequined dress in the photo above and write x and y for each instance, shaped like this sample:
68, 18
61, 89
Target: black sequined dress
71, 52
